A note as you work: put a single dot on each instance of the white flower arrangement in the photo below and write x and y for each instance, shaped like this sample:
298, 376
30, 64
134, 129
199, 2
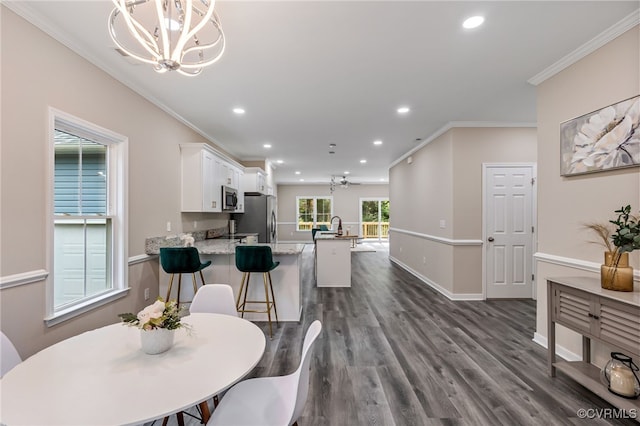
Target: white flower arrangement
159, 315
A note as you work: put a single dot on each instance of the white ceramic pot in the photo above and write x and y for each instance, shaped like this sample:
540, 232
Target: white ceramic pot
156, 341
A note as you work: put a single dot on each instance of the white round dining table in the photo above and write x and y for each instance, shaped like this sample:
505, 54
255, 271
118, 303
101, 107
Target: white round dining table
102, 377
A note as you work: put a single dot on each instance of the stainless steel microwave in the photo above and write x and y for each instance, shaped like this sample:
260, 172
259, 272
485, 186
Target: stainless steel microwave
229, 198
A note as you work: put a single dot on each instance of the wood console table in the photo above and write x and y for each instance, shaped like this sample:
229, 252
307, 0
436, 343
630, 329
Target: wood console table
610, 317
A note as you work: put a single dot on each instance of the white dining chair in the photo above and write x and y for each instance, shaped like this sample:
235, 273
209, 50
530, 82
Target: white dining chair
210, 299
9, 356
214, 299
269, 401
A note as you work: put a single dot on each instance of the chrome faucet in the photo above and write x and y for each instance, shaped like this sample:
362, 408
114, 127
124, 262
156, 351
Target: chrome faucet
339, 224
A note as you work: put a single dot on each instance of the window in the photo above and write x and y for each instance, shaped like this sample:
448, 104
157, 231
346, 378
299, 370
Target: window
88, 255
313, 211
374, 218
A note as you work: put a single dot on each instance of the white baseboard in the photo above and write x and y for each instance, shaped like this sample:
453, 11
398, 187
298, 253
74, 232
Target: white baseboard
448, 294
562, 352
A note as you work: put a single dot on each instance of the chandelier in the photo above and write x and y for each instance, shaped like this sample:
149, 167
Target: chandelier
171, 35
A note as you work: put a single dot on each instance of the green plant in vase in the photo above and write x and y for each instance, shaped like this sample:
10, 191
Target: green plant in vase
619, 237
626, 237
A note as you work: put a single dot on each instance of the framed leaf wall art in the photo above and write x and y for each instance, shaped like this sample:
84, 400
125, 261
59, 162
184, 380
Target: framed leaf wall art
605, 139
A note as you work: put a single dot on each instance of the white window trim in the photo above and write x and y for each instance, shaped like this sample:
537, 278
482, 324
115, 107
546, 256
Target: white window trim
360, 220
118, 178
315, 207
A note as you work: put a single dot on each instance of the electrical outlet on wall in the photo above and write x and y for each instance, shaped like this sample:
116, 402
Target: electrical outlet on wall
168, 226
146, 294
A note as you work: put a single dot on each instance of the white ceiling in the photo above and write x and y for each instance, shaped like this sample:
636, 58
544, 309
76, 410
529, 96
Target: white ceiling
311, 73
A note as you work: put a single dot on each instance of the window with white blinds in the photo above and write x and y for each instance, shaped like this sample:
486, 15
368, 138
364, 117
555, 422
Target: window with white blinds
89, 217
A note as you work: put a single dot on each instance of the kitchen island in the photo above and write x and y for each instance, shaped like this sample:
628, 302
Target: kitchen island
333, 260
286, 278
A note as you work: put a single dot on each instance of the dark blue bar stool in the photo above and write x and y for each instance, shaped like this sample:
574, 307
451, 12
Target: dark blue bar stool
182, 260
256, 259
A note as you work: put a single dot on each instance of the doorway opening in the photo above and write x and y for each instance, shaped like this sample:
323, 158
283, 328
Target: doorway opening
374, 219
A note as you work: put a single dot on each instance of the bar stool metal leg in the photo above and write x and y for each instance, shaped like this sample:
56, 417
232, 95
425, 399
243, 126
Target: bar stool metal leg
273, 297
179, 288
266, 295
170, 285
193, 280
243, 307
246, 292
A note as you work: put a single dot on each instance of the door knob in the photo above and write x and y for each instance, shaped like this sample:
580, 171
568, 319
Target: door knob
490, 239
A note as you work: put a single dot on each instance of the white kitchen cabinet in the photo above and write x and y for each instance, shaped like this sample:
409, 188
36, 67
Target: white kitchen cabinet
333, 261
254, 180
200, 191
229, 174
204, 173
240, 176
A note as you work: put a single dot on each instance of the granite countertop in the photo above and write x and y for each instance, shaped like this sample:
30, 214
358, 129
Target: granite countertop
152, 244
218, 246
334, 236
229, 247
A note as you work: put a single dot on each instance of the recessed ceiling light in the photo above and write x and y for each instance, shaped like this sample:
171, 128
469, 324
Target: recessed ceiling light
403, 110
238, 110
381, 179
267, 145
473, 22
378, 142
279, 161
363, 161
297, 172
346, 172
301, 180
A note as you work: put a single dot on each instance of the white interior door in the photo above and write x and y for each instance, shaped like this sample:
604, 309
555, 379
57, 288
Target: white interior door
509, 231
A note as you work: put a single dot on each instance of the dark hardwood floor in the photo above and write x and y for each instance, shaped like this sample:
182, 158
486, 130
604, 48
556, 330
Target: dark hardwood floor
395, 352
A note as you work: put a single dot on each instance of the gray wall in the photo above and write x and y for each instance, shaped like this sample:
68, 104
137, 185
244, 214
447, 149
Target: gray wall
608, 75
444, 182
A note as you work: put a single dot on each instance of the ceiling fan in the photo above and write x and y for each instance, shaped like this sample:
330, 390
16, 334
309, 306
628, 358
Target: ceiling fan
343, 182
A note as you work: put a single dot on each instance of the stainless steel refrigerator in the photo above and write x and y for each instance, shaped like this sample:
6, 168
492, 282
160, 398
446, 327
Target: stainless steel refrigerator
259, 216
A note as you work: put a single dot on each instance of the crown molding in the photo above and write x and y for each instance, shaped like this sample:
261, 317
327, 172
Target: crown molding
461, 124
589, 47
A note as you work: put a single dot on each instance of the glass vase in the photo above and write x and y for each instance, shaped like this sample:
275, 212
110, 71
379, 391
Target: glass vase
617, 276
